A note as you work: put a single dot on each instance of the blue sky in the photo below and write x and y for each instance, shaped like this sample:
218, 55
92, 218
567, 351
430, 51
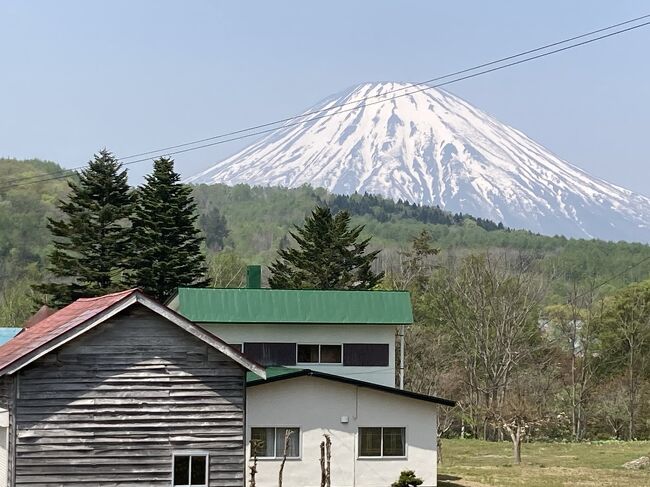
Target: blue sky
76, 76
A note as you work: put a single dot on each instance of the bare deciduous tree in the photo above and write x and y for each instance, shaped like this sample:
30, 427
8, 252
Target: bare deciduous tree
254, 446
325, 461
490, 306
285, 451
573, 327
628, 331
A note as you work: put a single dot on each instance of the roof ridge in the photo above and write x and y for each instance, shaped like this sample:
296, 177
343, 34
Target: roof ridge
125, 292
301, 290
355, 382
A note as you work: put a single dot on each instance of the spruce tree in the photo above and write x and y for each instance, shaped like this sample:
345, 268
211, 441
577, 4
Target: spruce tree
329, 255
90, 240
166, 245
215, 228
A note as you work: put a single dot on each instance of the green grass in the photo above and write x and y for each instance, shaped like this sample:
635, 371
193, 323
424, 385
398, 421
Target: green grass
474, 463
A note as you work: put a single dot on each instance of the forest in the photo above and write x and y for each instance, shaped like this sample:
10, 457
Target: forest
537, 337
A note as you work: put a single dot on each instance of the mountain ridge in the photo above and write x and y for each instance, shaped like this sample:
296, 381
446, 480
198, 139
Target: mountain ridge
434, 148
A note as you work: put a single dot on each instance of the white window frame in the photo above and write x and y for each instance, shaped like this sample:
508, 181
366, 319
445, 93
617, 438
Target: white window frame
382, 456
275, 443
319, 345
191, 453
4, 452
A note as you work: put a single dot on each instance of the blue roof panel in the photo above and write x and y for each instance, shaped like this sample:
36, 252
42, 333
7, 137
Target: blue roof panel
7, 333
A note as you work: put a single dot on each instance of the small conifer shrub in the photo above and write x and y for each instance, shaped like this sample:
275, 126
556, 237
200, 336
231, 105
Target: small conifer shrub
407, 479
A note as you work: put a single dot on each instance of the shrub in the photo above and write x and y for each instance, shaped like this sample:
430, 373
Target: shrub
407, 479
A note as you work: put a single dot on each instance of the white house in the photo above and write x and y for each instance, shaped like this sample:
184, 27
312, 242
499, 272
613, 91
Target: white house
330, 358
376, 431
347, 333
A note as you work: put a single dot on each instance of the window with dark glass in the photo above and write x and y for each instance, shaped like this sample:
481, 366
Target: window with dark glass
366, 354
330, 354
190, 470
369, 442
318, 354
269, 442
308, 354
382, 442
269, 354
393, 442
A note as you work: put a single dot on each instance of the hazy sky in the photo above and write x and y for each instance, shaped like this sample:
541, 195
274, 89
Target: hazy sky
76, 76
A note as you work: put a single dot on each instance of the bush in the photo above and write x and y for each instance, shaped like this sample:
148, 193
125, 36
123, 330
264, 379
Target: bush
407, 479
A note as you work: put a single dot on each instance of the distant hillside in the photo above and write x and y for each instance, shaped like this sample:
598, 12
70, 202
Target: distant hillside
24, 238
260, 218
433, 148
23, 213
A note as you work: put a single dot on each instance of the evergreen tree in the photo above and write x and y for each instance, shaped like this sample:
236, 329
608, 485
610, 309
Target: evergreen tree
328, 256
90, 241
165, 241
215, 228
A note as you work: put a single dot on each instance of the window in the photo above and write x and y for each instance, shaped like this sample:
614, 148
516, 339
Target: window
269, 442
237, 346
308, 354
271, 353
190, 469
382, 442
318, 354
330, 354
366, 354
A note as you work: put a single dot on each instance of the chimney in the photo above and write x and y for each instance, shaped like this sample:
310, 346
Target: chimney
254, 277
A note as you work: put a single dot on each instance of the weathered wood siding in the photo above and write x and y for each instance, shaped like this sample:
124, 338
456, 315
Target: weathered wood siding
109, 408
7, 407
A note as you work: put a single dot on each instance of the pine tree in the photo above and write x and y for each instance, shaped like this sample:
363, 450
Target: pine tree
215, 228
90, 241
166, 244
328, 256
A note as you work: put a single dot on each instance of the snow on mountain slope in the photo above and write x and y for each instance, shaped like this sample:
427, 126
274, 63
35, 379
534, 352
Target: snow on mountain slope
433, 148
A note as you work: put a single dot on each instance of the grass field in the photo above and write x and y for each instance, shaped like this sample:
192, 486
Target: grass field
474, 463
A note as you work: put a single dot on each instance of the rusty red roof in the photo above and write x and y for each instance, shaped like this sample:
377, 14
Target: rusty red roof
54, 330
55, 325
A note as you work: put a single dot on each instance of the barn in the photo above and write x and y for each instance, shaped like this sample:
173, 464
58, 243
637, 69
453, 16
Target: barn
120, 390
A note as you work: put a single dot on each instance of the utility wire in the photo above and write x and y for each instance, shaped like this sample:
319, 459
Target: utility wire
410, 85
610, 279
304, 115
304, 119
314, 112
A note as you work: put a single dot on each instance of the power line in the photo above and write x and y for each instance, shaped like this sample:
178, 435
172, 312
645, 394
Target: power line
304, 117
410, 85
610, 279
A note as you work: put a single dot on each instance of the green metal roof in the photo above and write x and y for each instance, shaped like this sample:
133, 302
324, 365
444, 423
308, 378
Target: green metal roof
207, 305
271, 372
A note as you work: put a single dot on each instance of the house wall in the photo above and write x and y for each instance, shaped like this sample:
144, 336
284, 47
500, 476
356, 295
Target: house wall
6, 428
316, 406
111, 406
318, 334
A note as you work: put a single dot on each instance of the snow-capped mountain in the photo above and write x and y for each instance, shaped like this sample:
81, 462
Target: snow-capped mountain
432, 148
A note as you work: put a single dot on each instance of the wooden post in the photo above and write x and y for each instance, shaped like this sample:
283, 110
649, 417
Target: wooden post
255, 444
287, 436
323, 474
328, 453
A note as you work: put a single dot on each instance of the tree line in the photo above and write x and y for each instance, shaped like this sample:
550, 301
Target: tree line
492, 331
111, 236
521, 368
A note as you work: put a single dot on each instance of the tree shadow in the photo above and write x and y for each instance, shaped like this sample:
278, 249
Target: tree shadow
448, 481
